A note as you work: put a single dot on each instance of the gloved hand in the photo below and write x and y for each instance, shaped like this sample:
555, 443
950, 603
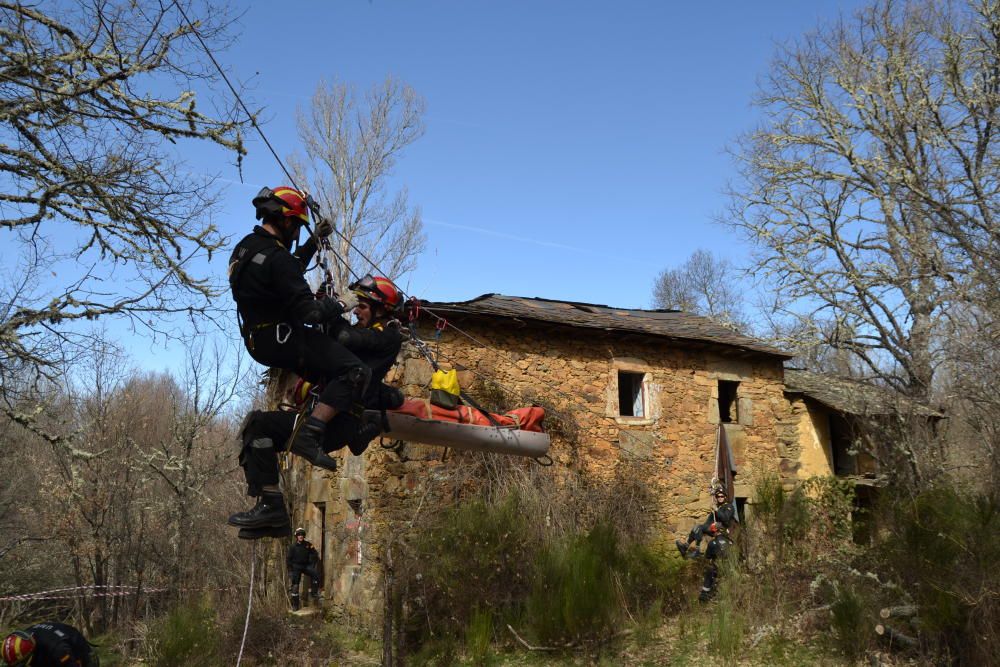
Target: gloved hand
323, 227
321, 292
331, 308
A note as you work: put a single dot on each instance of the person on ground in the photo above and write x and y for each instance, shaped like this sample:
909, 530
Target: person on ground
280, 325
302, 558
375, 339
48, 644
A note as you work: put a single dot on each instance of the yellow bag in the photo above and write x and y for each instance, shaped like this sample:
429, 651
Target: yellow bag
445, 392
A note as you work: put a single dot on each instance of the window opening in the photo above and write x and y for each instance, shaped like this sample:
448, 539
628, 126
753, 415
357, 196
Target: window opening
727, 401
630, 398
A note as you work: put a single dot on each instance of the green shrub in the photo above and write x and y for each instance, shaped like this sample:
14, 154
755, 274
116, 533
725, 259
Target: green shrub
726, 630
851, 621
769, 498
942, 546
650, 574
832, 502
573, 592
186, 636
479, 638
468, 556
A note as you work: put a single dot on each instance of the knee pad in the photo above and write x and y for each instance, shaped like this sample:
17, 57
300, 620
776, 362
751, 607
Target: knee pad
251, 437
358, 378
389, 398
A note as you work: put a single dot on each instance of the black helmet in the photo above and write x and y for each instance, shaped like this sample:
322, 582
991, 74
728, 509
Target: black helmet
300, 531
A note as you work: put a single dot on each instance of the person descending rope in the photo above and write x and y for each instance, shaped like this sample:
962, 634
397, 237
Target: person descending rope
48, 644
717, 526
719, 520
302, 558
279, 320
376, 340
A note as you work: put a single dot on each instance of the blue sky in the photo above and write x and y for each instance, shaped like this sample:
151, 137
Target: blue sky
573, 149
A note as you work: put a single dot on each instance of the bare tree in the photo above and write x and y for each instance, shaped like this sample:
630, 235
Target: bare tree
351, 147
705, 285
870, 187
125, 500
99, 215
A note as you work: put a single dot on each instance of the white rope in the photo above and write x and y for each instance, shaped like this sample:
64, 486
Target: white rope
246, 623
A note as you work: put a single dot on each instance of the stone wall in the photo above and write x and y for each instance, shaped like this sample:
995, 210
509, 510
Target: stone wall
576, 371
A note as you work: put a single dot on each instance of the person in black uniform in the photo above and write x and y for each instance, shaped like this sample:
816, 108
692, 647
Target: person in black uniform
48, 645
376, 340
716, 526
279, 322
302, 558
719, 520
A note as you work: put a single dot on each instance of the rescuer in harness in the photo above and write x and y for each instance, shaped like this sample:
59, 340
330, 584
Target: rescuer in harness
279, 319
716, 526
48, 645
376, 340
302, 558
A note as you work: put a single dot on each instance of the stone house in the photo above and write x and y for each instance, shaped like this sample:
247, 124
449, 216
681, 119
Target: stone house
650, 387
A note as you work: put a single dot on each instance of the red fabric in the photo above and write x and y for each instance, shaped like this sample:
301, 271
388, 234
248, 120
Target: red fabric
526, 419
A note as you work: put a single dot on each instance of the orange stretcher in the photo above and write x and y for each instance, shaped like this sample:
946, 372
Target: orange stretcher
519, 432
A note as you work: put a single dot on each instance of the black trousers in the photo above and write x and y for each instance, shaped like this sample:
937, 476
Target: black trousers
296, 573
315, 356
268, 432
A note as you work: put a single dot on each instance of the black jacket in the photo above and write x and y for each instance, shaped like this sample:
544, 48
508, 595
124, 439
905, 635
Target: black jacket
268, 284
723, 517
301, 554
58, 645
376, 346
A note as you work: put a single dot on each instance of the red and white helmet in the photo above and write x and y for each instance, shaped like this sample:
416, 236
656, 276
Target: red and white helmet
282, 200
378, 289
18, 648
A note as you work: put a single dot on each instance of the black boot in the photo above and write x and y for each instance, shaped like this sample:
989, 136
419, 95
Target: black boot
682, 547
307, 444
269, 512
295, 601
257, 533
359, 440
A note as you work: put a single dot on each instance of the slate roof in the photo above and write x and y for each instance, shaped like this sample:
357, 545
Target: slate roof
853, 396
670, 324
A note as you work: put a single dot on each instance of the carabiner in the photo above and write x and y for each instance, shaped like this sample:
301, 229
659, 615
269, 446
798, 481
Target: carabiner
277, 332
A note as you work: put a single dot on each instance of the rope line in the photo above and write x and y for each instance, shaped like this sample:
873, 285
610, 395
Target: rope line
246, 623
250, 116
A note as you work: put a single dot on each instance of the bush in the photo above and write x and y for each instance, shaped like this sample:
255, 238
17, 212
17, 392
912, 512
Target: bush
468, 556
479, 638
187, 635
851, 621
573, 594
942, 545
726, 630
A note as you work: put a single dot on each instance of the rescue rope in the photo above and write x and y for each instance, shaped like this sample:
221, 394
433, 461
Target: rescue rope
246, 623
250, 116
